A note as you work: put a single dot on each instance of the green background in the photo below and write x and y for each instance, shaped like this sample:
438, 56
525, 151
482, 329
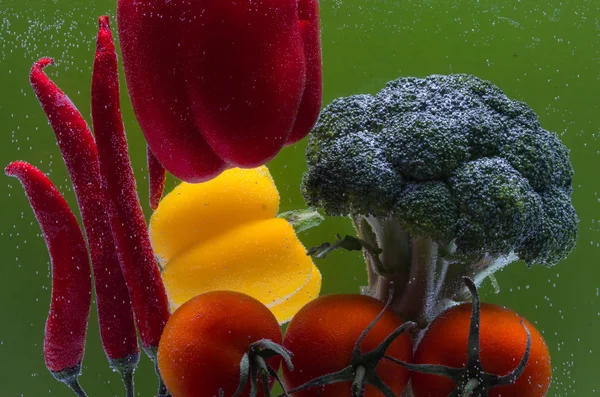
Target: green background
543, 52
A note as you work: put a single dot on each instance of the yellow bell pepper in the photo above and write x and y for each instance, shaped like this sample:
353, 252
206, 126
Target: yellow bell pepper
224, 235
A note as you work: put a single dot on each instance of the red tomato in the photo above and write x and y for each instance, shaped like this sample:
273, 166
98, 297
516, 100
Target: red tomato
205, 339
322, 337
502, 346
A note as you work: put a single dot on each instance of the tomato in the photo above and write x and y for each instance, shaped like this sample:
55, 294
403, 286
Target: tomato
502, 341
206, 338
322, 337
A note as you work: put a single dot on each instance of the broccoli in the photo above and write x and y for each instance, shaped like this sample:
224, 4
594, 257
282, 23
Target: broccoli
447, 177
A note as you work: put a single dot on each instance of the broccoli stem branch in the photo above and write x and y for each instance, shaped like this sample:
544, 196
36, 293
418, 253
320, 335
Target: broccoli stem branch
478, 274
412, 264
426, 275
420, 290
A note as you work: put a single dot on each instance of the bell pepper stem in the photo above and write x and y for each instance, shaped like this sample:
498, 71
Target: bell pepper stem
302, 220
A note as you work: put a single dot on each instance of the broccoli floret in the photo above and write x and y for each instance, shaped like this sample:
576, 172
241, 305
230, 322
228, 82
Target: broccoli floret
556, 238
349, 175
448, 164
499, 208
423, 146
428, 209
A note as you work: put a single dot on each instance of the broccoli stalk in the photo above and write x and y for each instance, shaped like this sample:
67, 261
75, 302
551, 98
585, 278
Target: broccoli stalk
429, 272
442, 177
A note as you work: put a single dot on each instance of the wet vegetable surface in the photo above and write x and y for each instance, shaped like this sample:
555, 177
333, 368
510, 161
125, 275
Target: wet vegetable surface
532, 51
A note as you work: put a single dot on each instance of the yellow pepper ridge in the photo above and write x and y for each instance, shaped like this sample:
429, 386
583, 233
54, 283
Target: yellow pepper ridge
224, 235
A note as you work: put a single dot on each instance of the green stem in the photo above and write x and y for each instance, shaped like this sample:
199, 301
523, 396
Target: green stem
414, 265
427, 276
482, 271
416, 303
395, 243
366, 233
302, 220
152, 352
408, 392
358, 384
70, 377
76, 387
128, 382
126, 367
471, 385
162, 388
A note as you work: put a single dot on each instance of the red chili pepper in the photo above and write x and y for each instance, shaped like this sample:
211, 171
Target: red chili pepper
157, 177
117, 328
64, 338
129, 228
217, 84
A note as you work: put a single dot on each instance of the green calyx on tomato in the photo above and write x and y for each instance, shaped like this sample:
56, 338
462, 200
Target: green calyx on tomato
362, 370
254, 365
472, 380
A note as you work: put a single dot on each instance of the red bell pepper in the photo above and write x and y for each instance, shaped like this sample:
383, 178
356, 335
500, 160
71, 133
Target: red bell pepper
218, 84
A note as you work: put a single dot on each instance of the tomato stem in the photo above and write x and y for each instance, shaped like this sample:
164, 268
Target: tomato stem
358, 385
362, 369
472, 379
471, 386
254, 365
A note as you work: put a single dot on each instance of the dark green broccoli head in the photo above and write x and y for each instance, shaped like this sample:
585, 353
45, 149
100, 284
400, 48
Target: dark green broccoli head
556, 238
498, 207
428, 209
450, 157
349, 175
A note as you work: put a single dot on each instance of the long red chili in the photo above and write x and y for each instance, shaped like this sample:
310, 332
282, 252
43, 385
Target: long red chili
117, 327
157, 176
129, 227
64, 338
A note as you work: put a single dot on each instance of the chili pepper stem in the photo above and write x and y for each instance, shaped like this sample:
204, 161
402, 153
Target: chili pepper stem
126, 368
152, 352
70, 377
127, 377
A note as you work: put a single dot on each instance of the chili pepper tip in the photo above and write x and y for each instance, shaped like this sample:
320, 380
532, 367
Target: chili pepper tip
13, 168
42, 63
104, 22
